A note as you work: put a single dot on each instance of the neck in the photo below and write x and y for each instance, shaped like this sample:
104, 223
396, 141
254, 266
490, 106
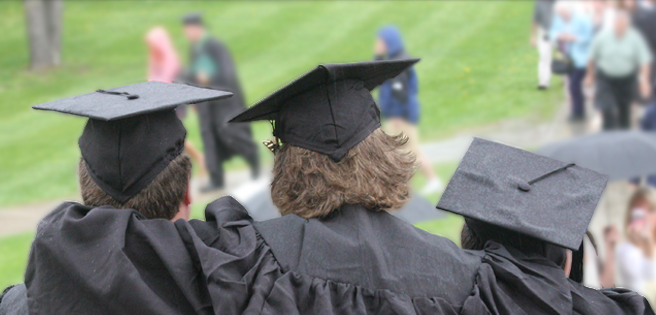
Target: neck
184, 213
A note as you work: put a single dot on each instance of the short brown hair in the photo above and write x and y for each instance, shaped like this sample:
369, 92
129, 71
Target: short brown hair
374, 173
160, 199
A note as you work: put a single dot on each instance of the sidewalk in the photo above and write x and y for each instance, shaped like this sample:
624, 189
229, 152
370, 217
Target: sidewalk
521, 133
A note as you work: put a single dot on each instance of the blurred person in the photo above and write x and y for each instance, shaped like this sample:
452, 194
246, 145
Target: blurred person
164, 66
633, 259
598, 10
211, 65
163, 61
616, 58
609, 15
572, 32
399, 103
146, 186
644, 19
542, 17
636, 263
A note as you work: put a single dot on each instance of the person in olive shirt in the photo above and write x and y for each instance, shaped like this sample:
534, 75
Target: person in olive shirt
617, 57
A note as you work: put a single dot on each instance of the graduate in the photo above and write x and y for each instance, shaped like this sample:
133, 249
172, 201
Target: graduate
526, 214
336, 250
133, 167
211, 65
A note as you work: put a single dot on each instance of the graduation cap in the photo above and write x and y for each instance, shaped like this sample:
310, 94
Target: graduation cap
523, 192
329, 109
133, 132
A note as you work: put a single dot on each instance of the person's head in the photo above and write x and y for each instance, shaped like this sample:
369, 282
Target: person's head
166, 197
193, 27
158, 40
564, 9
622, 22
640, 209
374, 173
628, 5
380, 49
475, 234
388, 42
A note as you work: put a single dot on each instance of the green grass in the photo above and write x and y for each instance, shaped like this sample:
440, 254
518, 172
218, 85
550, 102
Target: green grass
14, 251
476, 68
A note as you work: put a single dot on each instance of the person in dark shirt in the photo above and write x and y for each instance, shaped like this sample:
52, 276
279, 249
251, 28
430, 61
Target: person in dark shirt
149, 181
211, 65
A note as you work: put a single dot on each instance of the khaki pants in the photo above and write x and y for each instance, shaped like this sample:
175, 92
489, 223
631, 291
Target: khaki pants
544, 63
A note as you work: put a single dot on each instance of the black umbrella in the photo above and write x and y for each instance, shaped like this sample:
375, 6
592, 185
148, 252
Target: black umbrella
620, 154
256, 198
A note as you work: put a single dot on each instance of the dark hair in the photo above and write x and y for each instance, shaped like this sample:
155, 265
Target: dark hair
469, 240
475, 234
160, 199
374, 174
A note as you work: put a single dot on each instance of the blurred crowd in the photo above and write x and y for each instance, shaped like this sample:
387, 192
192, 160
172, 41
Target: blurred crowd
211, 65
604, 50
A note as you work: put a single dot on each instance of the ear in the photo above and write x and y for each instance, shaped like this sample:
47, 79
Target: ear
568, 264
187, 199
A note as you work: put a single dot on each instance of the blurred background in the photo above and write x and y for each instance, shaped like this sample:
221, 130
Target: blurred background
569, 79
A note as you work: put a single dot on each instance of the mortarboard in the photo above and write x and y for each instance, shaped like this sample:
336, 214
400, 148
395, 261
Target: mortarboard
133, 132
329, 109
524, 192
193, 18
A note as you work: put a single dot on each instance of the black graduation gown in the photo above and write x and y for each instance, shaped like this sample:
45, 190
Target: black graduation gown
13, 301
222, 140
108, 261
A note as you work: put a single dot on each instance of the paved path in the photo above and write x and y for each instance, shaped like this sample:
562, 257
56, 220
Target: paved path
524, 133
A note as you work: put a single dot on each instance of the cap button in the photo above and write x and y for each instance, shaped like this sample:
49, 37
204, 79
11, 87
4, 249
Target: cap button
524, 186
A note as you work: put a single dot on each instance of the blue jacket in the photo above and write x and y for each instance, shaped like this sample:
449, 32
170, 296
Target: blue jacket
389, 105
582, 28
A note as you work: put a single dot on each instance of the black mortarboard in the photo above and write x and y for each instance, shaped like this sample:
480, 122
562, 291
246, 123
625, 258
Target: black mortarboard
193, 18
132, 133
329, 109
524, 192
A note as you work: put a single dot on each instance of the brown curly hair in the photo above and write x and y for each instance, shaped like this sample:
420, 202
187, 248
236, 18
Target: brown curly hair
160, 199
374, 174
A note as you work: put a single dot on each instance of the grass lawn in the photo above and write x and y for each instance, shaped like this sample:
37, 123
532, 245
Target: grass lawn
14, 251
476, 68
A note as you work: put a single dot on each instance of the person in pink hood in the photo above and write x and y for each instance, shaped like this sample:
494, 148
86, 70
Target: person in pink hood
164, 66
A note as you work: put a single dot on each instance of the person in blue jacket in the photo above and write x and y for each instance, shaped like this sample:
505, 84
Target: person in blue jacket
399, 104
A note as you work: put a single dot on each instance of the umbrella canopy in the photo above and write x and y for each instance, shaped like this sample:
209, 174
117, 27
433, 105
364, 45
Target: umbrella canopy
620, 154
